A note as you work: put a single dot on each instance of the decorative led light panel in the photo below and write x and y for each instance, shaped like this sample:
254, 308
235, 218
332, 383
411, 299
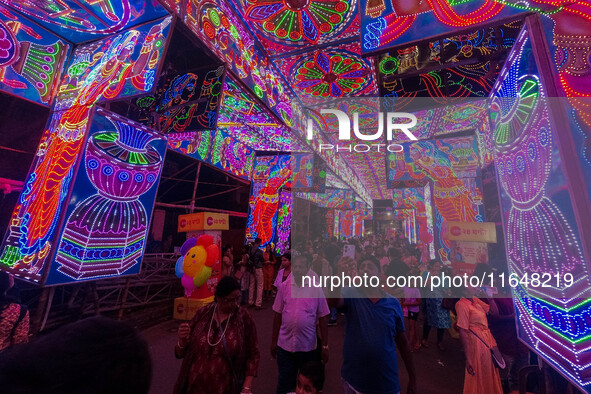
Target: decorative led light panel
30, 237
216, 23
283, 26
110, 207
302, 167
434, 160
195, 144
33, 224
215, 148
491, 41
319, 175
189, 102
351, 223
245, 119
105, 202
473, 80
572, 44
334, 72
539, 219
461, 117
386, 23
347, 224
232, 156
288, 23
270, 174
85, 20
329, 223
332, 199
336, 227
309, 173
333, 182
284, 222
451, 165
31, 58
418, 199
120, 66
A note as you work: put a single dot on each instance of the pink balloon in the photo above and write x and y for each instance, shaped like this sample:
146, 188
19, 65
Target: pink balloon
188, 284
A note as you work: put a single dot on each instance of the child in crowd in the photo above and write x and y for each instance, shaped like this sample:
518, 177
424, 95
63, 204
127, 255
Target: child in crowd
410, 308
310, 378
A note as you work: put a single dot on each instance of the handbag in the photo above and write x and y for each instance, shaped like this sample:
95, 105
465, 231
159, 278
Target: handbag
495, 353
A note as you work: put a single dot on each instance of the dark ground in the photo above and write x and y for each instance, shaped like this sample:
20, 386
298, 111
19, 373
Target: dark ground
438, 372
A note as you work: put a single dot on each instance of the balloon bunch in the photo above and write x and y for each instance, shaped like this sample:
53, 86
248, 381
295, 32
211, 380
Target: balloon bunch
198, 255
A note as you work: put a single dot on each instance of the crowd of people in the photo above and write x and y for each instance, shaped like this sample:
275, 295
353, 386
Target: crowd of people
379, 323
220, 351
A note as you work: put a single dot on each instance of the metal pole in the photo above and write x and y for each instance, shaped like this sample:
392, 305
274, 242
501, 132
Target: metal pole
195, 187
308, 221
220, 193
123, 298
231, 213
49, 302
37, 317
167, 205
95, 298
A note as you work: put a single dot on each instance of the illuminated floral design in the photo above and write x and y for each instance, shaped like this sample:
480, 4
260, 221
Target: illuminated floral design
332, 74
298, 20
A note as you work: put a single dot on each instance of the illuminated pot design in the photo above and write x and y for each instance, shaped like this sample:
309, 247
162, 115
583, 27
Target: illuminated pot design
539, 237
105, 234
119, 169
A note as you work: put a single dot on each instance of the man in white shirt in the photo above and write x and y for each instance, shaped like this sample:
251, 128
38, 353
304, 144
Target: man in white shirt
294, 339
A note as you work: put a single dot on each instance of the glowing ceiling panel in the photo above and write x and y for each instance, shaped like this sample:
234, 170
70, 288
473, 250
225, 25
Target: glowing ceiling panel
334, 72
332, 181
371, 168
84, 20
31, 58
248, 121
386, 24
285, 26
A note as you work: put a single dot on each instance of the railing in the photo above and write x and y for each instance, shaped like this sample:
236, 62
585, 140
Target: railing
146, 297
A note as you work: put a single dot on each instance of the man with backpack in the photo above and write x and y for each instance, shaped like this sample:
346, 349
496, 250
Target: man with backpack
255, 265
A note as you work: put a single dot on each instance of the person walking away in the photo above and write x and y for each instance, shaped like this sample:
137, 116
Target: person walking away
256, 275
297, 309
374, 333
14, 317
268, 271
481, 375
242, 275
435, 315
410, 308
502, 327
322, 267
